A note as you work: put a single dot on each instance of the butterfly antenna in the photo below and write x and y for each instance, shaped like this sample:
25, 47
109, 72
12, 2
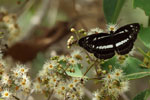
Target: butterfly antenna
118, 22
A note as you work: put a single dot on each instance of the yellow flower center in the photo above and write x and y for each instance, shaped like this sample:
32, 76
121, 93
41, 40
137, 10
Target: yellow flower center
16, 74
72, 61
6, 94
22, 70
54, 80
63, 88
78, 57
117, 74
112, 28
109, 76
50, 66
71, 85
75, 80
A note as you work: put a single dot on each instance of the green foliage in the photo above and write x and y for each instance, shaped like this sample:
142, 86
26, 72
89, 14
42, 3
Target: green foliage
77, 69
112, 9
112, 61
143, 95
144, 36
131, 67
77, 72
38, 62
143, 4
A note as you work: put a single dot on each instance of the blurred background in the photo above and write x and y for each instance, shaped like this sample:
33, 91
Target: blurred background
42, 28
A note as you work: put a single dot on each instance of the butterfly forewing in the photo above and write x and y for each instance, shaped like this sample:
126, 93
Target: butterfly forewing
124, 38
99, 44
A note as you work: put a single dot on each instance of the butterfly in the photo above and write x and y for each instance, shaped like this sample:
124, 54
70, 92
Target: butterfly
104, 45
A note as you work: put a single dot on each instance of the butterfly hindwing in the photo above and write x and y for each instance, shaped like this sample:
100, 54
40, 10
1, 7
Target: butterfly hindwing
124, 38
107, 55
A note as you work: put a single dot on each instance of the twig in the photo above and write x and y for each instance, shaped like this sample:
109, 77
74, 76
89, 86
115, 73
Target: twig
142, 52
50, 95
89, 56
24, 7
29, 95
88, 93
15, 97
124, 96
37, 18
90, 67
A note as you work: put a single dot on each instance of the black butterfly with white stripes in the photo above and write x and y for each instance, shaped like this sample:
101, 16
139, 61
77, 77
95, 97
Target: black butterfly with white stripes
104, 45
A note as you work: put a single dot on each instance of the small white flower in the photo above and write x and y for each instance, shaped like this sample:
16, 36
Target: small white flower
124, 86
25, 82
16, 72
108, 77
50, 65
96, 94
5, 78
77, 54
6, 94
71, 85
37, 86
94, 31
43, 73
112, 27
117, 74
62, 57
22, 69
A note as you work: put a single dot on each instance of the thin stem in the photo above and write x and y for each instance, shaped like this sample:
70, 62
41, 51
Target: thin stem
29, 95
64, 70
149, 21
125, 97
89, 56
96, 70
90, 67
142, 52
37, 18
77, 35
50, 95
65, 96
88, 93
15, 97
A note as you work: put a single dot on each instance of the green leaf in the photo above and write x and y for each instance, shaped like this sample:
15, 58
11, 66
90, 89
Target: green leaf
112, 9
133, 70
77, 68
144, 35
143, 95
77, 72
112, 61
131, 67
143, 4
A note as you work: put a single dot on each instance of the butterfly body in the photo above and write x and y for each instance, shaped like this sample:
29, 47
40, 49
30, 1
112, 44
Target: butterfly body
104, 45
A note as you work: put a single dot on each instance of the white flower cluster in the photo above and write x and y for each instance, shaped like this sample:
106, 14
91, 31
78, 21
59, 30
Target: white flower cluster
114, 84
71, 90
14, 81
9, 29
109, 27
53, 77
94, 31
